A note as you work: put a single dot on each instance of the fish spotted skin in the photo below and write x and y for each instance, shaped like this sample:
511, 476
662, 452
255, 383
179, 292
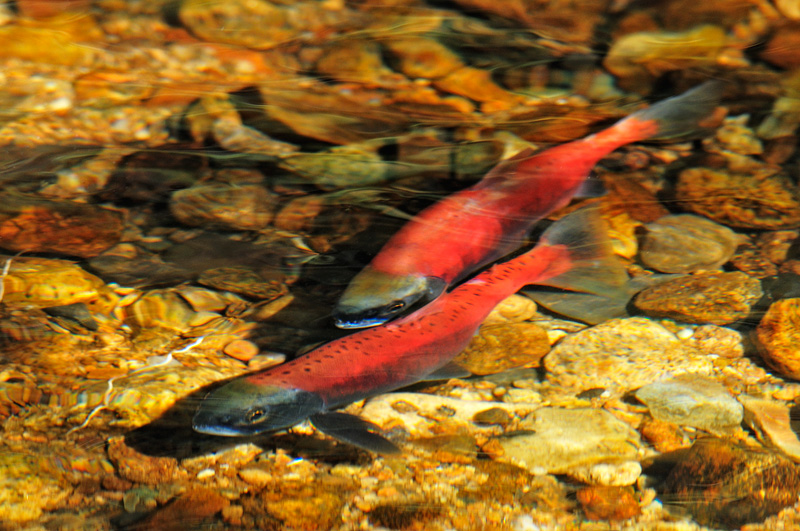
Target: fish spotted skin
393, 355
471, 228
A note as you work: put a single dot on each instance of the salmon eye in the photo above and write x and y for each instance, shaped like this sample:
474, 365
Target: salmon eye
255, 414
395, 306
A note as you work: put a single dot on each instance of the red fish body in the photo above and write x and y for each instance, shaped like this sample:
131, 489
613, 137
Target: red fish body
405, 351
480, 224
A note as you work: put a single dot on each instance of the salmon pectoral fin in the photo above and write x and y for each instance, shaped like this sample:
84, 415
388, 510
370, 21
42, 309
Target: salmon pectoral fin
682, 115
588, 261
354, 430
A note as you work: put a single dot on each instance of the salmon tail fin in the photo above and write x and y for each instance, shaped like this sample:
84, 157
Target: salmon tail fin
593, 266
681, 115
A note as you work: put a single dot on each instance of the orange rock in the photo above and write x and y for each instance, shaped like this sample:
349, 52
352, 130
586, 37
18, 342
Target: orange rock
664, 436
75, 229
778, 334
50, 8
608, 503
241, 350
477, 85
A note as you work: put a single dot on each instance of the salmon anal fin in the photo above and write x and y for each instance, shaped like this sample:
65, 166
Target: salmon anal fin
594, 267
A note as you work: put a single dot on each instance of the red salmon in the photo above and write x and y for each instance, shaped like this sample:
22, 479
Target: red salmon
474, 227
405, 351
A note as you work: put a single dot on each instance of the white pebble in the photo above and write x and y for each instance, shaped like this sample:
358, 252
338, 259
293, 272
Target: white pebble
205, 473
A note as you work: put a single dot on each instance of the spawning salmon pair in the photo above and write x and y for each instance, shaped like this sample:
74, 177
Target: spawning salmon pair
440, 246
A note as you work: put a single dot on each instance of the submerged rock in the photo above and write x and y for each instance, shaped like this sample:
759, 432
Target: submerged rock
640, 58
684, 243
778, 335
691, 400
223, 206
561, 440
760, 199
713, 298
500, 347
608, 503
771, 420
621, 355
29, 486
63, 227
723, 484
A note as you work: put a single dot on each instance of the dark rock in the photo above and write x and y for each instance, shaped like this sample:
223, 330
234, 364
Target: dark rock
723, 484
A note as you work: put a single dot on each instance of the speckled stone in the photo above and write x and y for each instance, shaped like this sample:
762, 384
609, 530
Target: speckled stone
608, 474
691, 400
760, 199
501, 347
684, 243
704, 298
621, 355
723, 484
778, 335
717, 340
513, 309
28, 487
556, 440
608, 503
425, 415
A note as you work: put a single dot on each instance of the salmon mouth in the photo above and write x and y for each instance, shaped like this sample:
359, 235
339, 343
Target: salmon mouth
343, 318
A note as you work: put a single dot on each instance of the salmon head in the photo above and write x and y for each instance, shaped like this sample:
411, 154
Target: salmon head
374, 297
241, 408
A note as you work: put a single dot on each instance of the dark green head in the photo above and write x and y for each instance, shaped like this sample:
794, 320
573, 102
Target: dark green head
374, 297
242, 408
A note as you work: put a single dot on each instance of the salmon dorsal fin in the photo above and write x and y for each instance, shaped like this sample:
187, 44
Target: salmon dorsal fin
354, 430
594, 267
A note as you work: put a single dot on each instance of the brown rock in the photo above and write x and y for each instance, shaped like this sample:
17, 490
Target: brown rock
758, 200
141, 468
477, 85
311, 512
639, 58
707, 298
244, 281
409, 515
723, 484
684, 243
62, 227
357, 61
608, 503
419, 57
628, 195
749, 259
188, 511
778, 335
244, 207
